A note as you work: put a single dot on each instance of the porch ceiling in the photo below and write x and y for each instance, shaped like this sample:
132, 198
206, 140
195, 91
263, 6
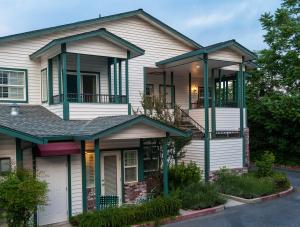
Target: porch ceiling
54, 46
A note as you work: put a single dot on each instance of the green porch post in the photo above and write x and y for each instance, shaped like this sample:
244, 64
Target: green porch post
116, 81
165, 166
65, 86
233, 90
206, 106
172, 90
83, 176
120, 80
213, 106
190, 91
220, 87
109, 76
164, 87
223, 90
127, 77
34, 175
78, 77
19, 153
50, 81
241, 105
69, 187
97, 173
59, 77
141, 161
226, 94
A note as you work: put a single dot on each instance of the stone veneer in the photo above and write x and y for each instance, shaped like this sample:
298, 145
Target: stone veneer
135, 191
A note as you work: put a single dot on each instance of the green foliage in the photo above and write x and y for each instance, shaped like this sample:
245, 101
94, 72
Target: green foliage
200, 195
247, 185
183, 174
128, 215
265, 165
281, 181
20, 194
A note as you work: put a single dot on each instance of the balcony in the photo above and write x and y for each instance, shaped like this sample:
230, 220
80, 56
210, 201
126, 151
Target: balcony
90, 98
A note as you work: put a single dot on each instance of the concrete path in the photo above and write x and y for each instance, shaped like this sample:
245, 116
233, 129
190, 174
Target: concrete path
282, 212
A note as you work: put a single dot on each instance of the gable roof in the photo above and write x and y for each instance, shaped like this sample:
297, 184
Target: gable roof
102, 32
209, 49
140, 12
39, 125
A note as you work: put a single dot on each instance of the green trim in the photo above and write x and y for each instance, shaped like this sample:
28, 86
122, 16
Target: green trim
19, 153
164, 86
129, 108
78, 66
109, 75
116, 81
190, 91
241, 104
220, 83
172, 90
165, 166
213, 104
122, 176
102, 32
66, 109
26, 86
206, 106
141, 161
69, 187
209, 49
83, 176
59, 73
127, 77
50, 81
97, 173
120, 78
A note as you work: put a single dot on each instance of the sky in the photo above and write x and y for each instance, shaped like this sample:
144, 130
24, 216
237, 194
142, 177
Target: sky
204, 21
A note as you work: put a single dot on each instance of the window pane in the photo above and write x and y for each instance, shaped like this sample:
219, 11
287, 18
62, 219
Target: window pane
90, 170
130, 174
130, 158
150, 165
3, 92
3, 77
5, 165
13, 85
16, 92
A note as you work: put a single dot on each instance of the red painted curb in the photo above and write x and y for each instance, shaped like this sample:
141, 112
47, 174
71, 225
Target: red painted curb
296, 168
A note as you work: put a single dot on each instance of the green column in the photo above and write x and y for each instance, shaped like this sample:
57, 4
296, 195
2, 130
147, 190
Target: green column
97, 173
213, 107
164, 87
59, 77
19, 153
190, 91
120, 80
172, 90
122, 176
233, 90
50, 81
78, 77
165, 166
127, 77
226, 94
145, 80
220, 87
241, 102
69, 187
109, 75
116, 81
206, 106
83, 176
65, 86
141, 161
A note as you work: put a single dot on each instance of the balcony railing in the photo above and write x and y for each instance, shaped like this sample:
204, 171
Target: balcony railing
90, 98
200, 104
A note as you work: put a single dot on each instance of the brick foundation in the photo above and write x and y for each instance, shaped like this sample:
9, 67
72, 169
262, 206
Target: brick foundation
135, 191
247, 149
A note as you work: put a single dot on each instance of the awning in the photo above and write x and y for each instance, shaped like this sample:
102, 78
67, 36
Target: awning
58, 149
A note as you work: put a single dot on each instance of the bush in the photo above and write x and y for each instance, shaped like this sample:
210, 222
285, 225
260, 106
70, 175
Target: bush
128, 215
247, 185
199, 196
20, 194
182, 175
281, 181
265, 164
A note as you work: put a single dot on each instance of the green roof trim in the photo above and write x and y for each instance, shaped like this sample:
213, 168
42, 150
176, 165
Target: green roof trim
113, 17
102, 32
209, 49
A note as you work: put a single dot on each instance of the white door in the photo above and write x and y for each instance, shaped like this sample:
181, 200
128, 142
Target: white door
53, 170
111, 173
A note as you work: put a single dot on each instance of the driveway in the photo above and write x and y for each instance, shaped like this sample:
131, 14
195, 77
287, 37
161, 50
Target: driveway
283, 212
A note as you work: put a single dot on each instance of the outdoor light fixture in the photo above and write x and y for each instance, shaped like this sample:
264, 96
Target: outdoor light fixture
194, 89
198, 66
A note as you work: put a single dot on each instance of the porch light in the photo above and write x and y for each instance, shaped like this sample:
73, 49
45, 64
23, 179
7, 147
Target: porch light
194, 89
198, 66
15, 109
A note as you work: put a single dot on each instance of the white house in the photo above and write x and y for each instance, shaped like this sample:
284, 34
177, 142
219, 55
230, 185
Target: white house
75, 87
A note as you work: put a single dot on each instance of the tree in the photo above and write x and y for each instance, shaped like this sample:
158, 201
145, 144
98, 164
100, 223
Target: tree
20, 194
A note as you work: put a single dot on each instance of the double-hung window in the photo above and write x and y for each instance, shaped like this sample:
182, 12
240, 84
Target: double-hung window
44, 85
130, 166
13, 85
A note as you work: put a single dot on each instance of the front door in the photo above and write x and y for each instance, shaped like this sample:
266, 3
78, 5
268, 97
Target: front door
111, 174
53, 170
89, 88
72, 87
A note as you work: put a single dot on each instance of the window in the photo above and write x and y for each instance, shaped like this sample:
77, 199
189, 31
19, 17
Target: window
90, 169
12, 85
150, 159
5, 165
44, 85
150, 89
130, 166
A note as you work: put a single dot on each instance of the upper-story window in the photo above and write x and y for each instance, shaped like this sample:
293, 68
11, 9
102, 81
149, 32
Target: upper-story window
13, 85
44, 85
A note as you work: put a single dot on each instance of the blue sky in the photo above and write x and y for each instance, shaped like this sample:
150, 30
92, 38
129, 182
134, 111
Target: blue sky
205, 21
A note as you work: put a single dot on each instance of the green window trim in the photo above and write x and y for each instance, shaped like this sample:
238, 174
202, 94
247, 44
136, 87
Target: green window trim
44, 72
26, 85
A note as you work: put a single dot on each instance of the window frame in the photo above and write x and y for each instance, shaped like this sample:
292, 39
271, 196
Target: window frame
10, 168
25, 86
132, 166
150, 159
47, 85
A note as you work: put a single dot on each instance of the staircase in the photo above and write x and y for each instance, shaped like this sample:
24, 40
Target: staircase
189, 124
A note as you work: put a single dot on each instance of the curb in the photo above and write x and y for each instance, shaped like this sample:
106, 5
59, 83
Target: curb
192, 214
260, 199
290, 168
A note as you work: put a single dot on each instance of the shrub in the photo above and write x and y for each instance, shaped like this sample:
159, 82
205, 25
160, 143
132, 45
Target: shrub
20, 194
265, 164
182, 175
128, 215
281, 181
199, 196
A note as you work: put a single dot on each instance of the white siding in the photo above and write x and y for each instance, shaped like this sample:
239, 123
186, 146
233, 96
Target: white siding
194, 152
226, 54
229, 118
76, 184
56, 109
226, 153
199, 116
85, 111
108, 144
8, 148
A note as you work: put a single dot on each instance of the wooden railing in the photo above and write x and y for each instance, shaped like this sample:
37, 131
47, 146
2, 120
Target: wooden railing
90, 98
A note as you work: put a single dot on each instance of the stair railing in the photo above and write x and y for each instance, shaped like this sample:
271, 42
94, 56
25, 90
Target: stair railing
195, 123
